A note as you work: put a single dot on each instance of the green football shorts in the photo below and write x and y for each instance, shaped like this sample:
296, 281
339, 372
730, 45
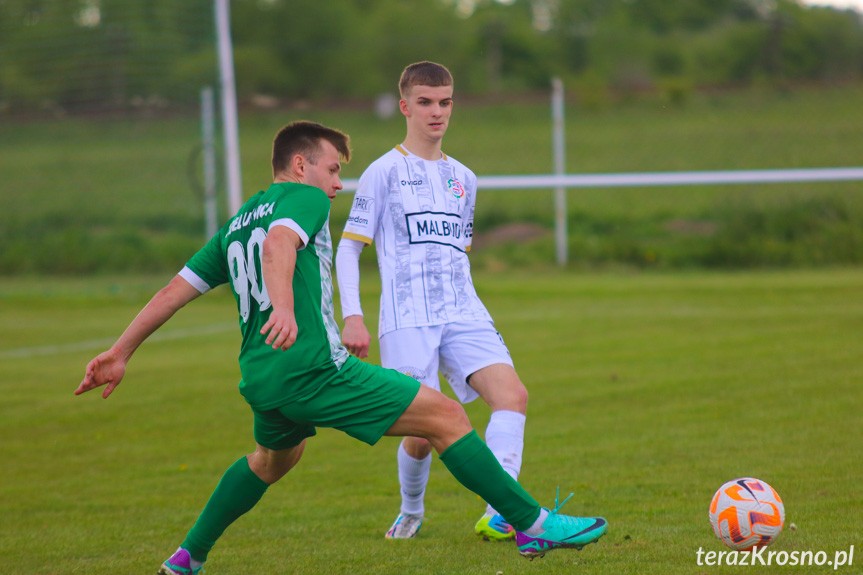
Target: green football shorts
361, 399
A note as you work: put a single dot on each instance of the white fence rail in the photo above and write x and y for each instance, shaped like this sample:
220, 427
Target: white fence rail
626, 180
671, 178
637, 179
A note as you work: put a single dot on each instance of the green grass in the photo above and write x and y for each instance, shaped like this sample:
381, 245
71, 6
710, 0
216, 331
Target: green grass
82, 197
647, 392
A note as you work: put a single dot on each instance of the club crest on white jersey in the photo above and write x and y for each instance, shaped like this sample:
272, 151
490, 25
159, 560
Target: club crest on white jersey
455, 188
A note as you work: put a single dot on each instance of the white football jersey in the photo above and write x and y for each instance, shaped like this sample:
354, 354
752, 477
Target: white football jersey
420, 216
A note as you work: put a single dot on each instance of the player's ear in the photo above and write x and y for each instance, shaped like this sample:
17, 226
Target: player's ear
298, 164
403, 107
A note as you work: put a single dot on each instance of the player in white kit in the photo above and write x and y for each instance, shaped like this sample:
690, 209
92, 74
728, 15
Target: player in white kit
417, 205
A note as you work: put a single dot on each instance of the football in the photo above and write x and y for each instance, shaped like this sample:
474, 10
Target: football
746, 513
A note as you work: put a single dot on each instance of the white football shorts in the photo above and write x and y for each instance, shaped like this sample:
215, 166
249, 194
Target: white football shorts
456, 349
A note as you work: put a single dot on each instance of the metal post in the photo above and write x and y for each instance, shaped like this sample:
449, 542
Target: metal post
207, 128
229, 105
559, 148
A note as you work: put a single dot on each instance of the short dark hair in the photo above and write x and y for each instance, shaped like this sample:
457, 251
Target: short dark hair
424, 74
304, 138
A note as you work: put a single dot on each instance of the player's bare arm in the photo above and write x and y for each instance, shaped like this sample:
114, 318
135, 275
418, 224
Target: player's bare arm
109, 367
278, 260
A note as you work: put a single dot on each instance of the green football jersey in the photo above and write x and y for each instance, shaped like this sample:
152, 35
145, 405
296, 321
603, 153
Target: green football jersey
274, 377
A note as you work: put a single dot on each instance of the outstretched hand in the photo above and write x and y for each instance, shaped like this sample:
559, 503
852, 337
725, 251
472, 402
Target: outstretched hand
107, 369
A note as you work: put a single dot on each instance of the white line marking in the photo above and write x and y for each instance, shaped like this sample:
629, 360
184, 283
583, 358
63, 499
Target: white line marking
105, 343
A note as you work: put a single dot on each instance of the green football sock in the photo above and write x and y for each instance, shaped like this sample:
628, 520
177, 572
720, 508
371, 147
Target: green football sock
238, 491
474, 465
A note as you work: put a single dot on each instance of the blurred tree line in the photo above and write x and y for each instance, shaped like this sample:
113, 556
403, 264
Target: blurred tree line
94, 55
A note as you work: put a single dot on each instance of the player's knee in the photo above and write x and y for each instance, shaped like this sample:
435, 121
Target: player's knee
454, 416
520, 396
510, 396
417, 447
271, 465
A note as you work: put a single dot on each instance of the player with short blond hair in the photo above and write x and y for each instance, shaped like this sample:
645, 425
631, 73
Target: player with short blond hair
416, 204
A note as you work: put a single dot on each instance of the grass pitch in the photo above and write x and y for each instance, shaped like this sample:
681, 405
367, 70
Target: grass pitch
647, 392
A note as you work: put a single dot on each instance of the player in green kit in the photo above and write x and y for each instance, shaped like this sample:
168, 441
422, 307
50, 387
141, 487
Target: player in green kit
276, 255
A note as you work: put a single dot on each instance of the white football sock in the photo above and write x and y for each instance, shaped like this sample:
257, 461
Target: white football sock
505, 437
536, 528
413, 477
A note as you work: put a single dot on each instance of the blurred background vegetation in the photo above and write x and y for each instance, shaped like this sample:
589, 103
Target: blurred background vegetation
93, 55
100, 126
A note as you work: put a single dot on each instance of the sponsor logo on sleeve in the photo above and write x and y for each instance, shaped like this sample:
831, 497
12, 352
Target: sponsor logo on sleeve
359, 220
363, 204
